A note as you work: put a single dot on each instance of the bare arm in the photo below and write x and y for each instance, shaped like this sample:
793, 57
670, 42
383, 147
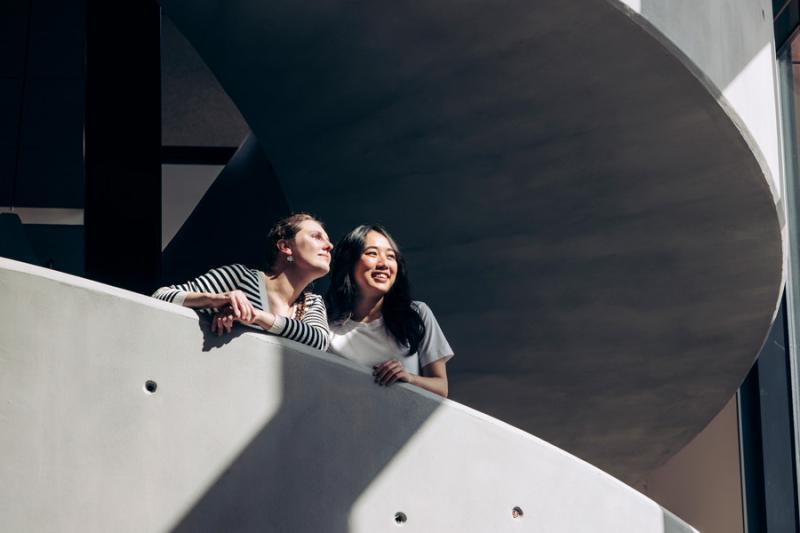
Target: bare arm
246, 314
433, 378
236, 299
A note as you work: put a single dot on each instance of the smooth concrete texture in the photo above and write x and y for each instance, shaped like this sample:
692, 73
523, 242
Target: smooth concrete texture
729, 45
46, 215
252, 433
182, 188
702, 482
591, 227
195, 109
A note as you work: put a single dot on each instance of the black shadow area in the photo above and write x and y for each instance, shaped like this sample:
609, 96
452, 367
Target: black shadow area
211, 340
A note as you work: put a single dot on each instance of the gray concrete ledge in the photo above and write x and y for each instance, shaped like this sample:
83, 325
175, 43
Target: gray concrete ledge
252, 433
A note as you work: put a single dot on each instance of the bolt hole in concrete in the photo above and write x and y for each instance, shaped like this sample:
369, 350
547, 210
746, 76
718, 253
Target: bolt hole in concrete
516, 512
150, 386
400, 518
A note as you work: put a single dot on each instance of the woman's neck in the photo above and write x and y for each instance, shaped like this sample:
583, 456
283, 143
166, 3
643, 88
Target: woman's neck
286, 286
368, 309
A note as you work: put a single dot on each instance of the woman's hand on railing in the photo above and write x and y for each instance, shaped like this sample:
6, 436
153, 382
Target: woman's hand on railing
224, 319
390, 372
235, 301
232, 306
434, 378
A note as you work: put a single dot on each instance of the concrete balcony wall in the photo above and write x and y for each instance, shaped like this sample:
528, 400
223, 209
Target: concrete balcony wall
729, 45
253, 433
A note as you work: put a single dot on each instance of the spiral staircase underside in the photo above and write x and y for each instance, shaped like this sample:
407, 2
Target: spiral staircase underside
594, 233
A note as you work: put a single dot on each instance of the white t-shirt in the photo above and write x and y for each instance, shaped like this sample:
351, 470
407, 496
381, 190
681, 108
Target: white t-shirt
369, 343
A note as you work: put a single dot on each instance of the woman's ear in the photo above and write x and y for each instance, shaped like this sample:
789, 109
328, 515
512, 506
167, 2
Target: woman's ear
284, 249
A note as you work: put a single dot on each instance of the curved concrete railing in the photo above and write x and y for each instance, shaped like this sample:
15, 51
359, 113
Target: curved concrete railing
120, 413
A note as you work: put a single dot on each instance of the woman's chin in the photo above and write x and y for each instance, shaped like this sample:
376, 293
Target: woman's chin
321, 271
381, 288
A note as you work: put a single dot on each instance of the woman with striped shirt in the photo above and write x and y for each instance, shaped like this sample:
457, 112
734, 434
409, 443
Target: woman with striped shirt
276, 300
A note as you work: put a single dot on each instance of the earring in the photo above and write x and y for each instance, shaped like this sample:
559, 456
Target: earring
290, 258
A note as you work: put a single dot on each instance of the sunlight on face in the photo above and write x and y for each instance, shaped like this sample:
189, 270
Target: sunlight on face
311, 248
376, 270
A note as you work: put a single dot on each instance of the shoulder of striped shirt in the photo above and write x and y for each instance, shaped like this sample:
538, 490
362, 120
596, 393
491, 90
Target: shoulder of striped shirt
316, 302
243, 270
312, 297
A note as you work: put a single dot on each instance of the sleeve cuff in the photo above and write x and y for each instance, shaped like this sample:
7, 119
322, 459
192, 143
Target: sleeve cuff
179, 298
278, 325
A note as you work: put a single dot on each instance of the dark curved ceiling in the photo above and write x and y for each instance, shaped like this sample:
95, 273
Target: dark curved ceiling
590, 228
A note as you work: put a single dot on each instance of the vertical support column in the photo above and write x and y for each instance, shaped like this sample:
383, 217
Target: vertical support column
791, 179
766, 429
751, 454
122, 143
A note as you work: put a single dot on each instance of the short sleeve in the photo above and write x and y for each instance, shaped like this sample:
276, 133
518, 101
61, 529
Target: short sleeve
434, 345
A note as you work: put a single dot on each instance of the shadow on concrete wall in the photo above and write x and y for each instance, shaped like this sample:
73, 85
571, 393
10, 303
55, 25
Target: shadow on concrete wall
301, 472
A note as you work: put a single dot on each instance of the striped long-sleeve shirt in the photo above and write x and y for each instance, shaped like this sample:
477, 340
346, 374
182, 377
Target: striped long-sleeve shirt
311, 329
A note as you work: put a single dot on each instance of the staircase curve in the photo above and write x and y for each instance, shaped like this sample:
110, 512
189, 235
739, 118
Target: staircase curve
588, 193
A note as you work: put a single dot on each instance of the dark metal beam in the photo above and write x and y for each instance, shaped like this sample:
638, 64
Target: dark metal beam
123, 143
197, 155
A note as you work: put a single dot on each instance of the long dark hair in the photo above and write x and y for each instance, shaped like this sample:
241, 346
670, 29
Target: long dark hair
400, 318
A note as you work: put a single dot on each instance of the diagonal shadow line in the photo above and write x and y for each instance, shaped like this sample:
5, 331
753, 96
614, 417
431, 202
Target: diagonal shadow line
235, 213
307, 466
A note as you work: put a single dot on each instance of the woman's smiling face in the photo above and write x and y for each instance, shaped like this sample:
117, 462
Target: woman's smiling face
376, 270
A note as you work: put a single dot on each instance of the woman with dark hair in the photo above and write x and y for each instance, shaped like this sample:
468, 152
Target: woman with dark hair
373, 319
276, 300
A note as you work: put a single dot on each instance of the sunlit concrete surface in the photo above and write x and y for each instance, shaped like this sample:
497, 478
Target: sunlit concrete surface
585, 194
121, 413
729, 45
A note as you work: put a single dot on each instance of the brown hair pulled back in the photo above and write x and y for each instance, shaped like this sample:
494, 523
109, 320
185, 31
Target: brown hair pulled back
285, 228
